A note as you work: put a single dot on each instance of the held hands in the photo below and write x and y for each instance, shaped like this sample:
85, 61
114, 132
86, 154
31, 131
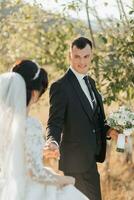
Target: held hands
51, 150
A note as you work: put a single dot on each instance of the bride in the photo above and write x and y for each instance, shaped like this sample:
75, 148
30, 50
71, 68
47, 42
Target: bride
22, 173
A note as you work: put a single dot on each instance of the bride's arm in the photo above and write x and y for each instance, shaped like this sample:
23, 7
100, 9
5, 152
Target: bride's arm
34, 144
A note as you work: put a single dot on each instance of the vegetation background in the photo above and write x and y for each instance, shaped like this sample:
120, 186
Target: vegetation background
30, 31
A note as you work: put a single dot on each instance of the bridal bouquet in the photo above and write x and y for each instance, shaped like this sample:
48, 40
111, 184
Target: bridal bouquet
123, 121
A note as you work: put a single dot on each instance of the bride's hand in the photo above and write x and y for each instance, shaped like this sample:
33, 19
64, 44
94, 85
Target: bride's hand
65, 180
51, 150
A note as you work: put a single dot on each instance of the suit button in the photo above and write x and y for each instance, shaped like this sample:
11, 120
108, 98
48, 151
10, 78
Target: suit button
93, 130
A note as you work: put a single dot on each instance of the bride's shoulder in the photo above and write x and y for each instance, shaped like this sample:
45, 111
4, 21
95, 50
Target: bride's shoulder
34, 124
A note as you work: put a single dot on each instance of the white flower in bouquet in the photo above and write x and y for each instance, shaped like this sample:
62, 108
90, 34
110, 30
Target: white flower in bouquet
123, 121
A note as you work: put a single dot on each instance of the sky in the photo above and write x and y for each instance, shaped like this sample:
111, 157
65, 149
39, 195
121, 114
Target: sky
109, 11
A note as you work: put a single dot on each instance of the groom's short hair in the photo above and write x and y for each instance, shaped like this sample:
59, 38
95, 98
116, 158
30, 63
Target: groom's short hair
81, 42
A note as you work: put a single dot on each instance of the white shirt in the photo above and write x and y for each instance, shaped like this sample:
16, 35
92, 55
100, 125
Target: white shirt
83, 85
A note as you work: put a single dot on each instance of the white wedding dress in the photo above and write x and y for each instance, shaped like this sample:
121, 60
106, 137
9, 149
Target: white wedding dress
34, 143
22, 173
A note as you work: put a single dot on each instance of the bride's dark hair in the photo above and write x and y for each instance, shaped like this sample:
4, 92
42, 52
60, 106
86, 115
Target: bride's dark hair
36, 78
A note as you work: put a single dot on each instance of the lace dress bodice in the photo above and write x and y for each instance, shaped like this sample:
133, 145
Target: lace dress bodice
41, 182
34, 144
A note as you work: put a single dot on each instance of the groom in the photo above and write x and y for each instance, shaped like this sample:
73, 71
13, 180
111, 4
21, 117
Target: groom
76, 124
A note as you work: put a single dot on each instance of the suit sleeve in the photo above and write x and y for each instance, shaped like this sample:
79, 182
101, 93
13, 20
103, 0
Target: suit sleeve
58, 102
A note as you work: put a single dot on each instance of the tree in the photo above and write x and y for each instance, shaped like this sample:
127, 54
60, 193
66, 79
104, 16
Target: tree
116, 65
29, 31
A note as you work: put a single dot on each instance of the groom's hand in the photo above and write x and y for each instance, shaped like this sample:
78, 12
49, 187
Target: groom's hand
51, 150
112, 133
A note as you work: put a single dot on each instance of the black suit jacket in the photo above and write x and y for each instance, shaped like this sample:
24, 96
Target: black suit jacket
71, 124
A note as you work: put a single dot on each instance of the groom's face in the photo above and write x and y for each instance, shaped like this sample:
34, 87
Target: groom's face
80, 59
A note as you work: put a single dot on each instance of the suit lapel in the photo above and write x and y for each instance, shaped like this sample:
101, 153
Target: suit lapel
81, 95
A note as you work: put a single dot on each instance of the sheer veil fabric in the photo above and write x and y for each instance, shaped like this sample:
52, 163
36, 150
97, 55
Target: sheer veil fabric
12, 128
21, 144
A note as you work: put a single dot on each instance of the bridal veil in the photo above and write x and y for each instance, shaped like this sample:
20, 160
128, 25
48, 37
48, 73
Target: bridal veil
12, 129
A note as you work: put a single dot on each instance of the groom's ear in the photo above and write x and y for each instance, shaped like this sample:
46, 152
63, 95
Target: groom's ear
69, 55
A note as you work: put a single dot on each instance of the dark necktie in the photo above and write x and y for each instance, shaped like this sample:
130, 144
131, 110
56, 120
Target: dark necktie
90, 91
